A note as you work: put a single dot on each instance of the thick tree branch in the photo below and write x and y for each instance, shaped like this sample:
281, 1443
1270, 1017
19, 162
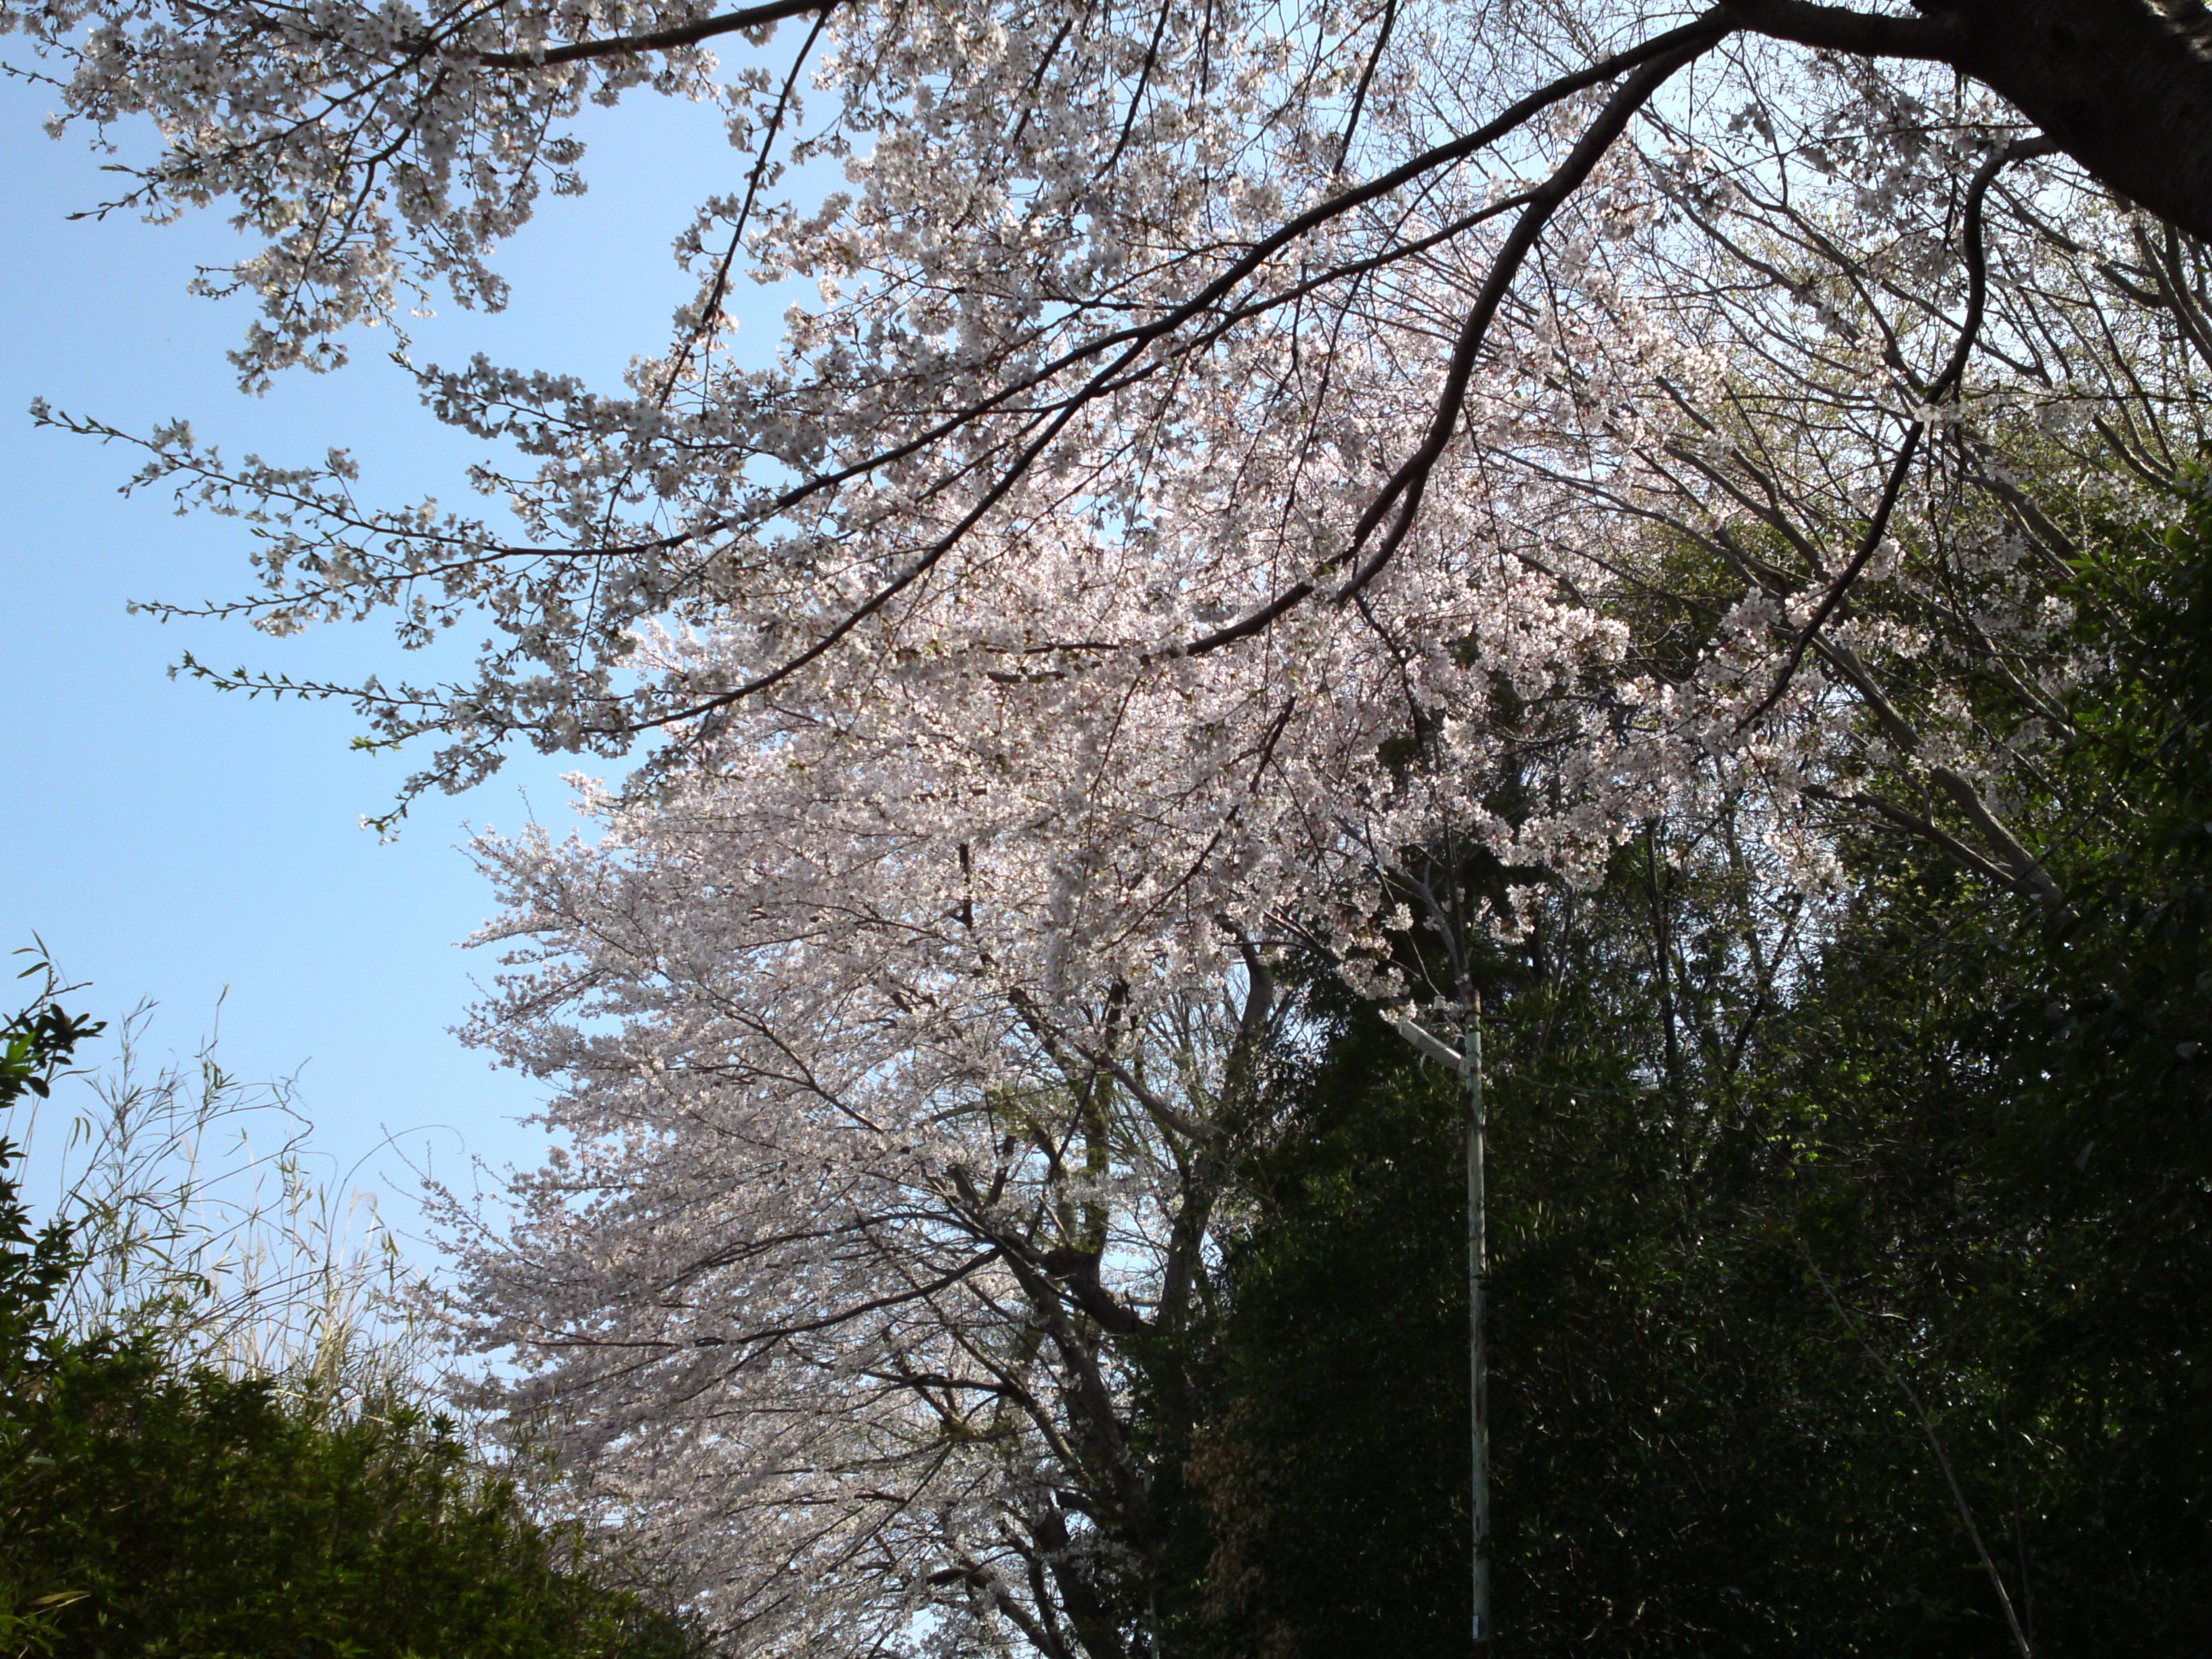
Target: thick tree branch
1407, 485
2124, 86
1400, 499
1674, 46
1946, 385
1839, 28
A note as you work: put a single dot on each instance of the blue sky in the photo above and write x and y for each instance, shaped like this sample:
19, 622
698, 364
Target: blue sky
170, 843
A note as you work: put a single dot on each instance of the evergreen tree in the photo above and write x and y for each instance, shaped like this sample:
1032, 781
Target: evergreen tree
1857, 1309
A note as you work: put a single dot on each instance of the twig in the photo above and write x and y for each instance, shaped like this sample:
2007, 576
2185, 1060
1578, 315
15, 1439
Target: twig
1935, 1444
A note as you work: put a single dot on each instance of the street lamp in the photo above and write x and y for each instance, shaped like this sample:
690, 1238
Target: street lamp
1467, 1060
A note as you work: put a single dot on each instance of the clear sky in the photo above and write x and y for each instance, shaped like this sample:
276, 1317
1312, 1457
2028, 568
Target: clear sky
170, 843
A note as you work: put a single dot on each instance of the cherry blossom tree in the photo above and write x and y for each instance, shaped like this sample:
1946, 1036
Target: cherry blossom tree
1241, 457
1068, 232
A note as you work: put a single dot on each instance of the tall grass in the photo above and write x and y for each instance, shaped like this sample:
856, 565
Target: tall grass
202, 1219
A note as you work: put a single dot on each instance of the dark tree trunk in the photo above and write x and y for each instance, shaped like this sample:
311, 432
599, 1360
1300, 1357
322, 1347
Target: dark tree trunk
2124, 87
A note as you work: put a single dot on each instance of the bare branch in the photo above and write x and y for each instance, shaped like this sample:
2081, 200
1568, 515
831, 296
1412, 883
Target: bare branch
684, 34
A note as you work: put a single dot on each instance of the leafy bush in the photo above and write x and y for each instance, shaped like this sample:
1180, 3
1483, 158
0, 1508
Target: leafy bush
155, 1501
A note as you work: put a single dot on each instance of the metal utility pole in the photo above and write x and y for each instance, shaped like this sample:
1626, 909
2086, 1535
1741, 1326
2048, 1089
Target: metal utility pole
1468, 1062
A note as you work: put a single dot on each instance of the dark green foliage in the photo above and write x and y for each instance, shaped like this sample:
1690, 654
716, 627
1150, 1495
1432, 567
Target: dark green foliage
35, 1045
207, 1515
150, 1507
1333, 1470
1908, 1248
